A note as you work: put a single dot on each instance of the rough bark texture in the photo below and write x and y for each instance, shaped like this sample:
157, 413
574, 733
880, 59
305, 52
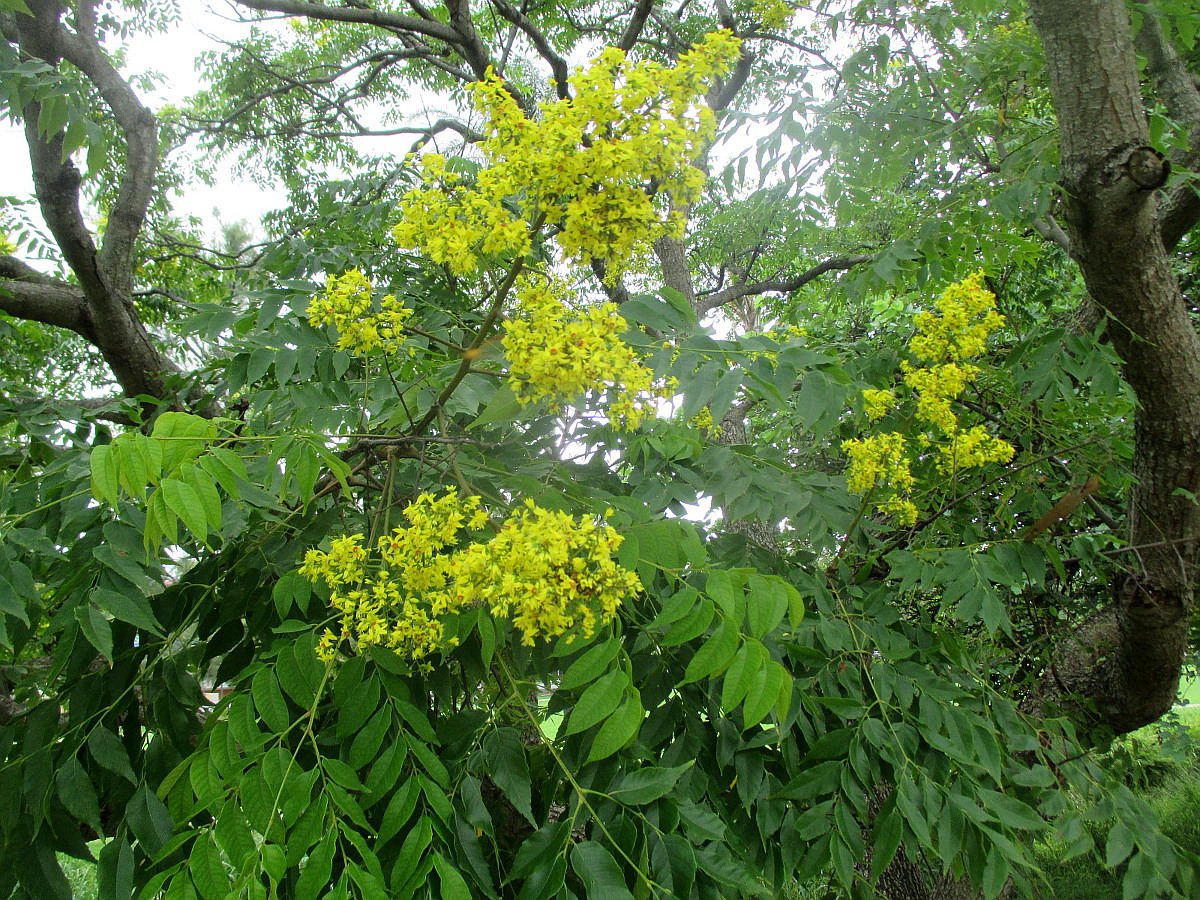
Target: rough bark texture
1121, 670
100, 307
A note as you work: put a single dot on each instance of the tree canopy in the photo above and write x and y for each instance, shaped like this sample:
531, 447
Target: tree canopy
657, 451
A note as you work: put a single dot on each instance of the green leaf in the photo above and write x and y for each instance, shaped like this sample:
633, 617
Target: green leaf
429, 761
596, 703
725, 588
764, 692
599, 872
767, 603
121, 563
593, 663
694, 624
886, 835
269, 701
115, 869
226, 468
314, 877
132, 609
504, 756
105, 484
647, 784
207, 491
206, 869
95, 628
77, 794
400, 807
453, 885
676, 607
292, 677
106, 748
502, 407
656, 313
183, 500
368, 741
715, 655
232, 832
412, 850
1119, 845
139, 462
620, 728
292, 589
741, 673
149, 820
182, 436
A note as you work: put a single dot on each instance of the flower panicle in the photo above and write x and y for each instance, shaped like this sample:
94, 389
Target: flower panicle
957, 330
548, 572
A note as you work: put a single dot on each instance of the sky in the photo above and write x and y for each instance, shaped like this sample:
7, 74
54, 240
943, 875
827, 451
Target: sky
173, 55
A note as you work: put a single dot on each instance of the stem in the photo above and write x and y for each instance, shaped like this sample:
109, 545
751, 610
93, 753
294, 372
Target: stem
485, 330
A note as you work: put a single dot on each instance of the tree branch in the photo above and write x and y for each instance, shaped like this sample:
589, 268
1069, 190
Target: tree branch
128, 213
427, 26
641, 12
41, 299
734, 292
558, 65
1179, 209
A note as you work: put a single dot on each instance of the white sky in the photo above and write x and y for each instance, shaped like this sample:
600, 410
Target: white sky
173, 55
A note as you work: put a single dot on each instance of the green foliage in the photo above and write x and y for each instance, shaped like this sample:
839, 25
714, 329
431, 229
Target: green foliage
805, 708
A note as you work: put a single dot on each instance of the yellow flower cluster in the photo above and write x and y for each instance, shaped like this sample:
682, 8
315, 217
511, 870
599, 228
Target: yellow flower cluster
966, 315
971, 448
773, 13
935, 387
703, 420
590, 166
558, 354
346, 304
878, 459
550, 573
878, 403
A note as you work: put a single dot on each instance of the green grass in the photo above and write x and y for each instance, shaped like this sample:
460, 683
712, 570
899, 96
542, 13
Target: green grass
81, 875
1189, 690
1163, 766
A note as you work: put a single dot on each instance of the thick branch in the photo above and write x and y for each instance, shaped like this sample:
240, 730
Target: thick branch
1174, 85
427, 26
128, 213
737, 291
641, 12
28, 294
558, 65
106, 317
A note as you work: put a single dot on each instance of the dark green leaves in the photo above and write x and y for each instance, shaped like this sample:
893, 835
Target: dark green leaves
595, 866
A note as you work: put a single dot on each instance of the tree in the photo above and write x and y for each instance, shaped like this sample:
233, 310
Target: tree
399, 479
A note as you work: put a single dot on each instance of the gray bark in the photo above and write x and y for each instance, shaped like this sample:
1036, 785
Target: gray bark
100, 307
1121, 670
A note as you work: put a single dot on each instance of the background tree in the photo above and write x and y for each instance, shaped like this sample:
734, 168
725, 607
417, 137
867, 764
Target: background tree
850, 674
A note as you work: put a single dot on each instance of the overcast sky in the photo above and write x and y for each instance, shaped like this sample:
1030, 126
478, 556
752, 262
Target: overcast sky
174, 56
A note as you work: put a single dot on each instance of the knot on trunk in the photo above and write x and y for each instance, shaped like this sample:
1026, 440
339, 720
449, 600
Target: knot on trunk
1145, 167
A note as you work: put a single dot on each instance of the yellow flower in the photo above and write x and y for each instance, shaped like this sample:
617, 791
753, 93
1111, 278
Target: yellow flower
878, 403
558, 354
547, 571
965, 316
582, 165
346, 304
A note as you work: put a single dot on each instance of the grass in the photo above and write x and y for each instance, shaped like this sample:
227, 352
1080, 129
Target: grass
1189, 690
81, 875
1163, 765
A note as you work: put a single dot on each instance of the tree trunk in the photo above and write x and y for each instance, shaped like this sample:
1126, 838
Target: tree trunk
1121, 669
